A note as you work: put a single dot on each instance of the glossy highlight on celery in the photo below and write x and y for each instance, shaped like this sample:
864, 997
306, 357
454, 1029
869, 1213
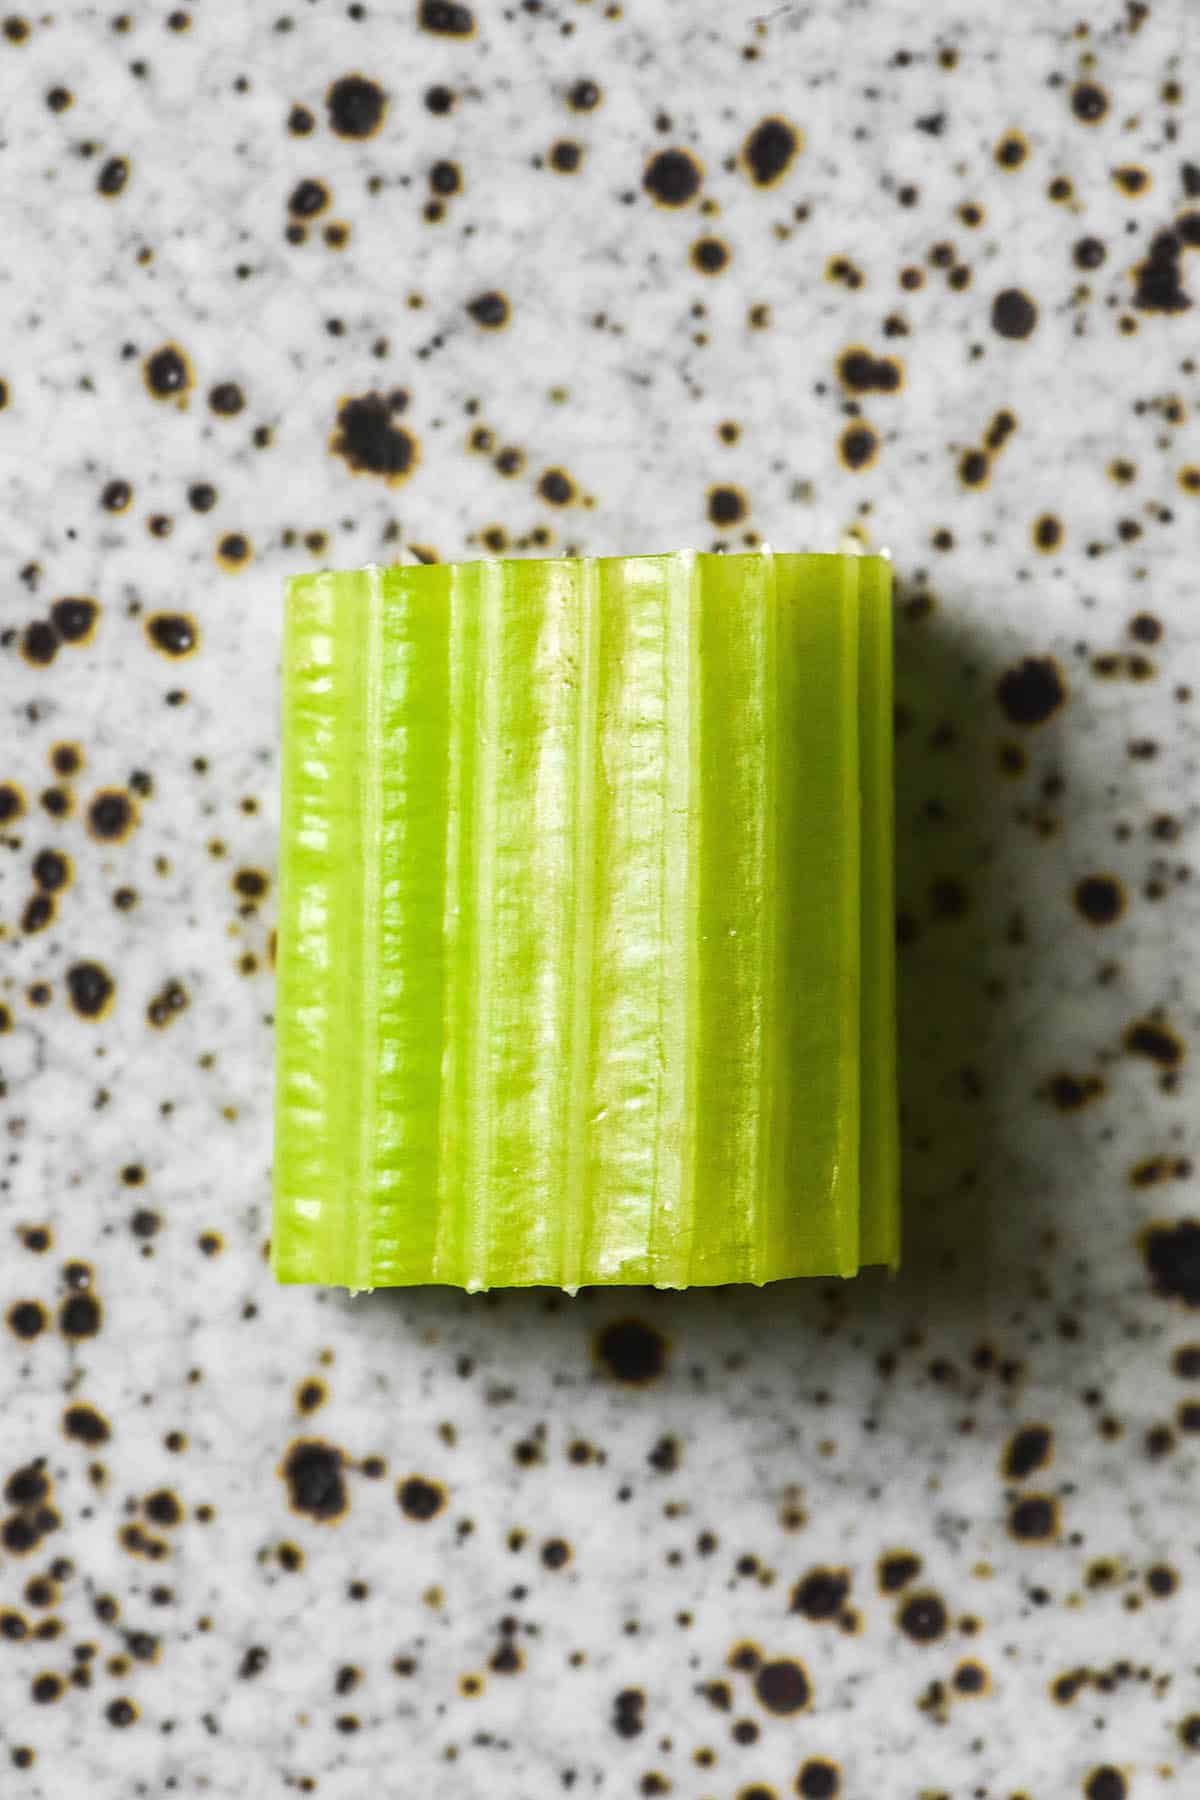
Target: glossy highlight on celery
586, 965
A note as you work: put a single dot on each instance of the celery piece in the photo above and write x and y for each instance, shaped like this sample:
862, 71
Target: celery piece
584, 973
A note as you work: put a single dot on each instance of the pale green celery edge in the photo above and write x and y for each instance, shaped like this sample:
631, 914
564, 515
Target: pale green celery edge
414, 1067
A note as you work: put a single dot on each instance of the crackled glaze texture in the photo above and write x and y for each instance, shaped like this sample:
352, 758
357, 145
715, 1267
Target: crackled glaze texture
302, 284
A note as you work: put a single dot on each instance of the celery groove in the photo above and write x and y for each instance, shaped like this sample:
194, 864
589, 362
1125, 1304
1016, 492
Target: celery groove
586, 968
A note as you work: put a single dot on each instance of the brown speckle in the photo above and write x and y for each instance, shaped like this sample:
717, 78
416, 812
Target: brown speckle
726, 505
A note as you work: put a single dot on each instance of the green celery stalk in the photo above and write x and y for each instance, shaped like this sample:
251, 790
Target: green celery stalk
585, 942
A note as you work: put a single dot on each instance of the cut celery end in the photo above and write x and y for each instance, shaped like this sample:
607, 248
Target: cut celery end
585, 940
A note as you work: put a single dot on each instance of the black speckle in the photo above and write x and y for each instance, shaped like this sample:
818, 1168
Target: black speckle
307, 199
1088, 102
1032, 691
821, 1594
726, 505
863, 373
1031, 1448
12, 803
1105, 1783
91, 989
783, 1686
628, 1709
356, 106
167, 372
446, 19
672, 177
770, 150
371, 442
1034, 1519
858, 445
38, 913
253, 1662
27, 1319
419, 1498
491, 310
315, 1482
445, 177
1146, 1037
121, 1712
175, 634
556, 487
710, 255
1159, 278
39, 643
1100, 899
439, 99
112, 177
818, 1780
1089, 253
896, 1569
111, 815
923, 1618
80, 1316
74, 618
631, 1351
1172, 1254
85, 1424
565, 156
227, 399
584, 96
1014, 314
